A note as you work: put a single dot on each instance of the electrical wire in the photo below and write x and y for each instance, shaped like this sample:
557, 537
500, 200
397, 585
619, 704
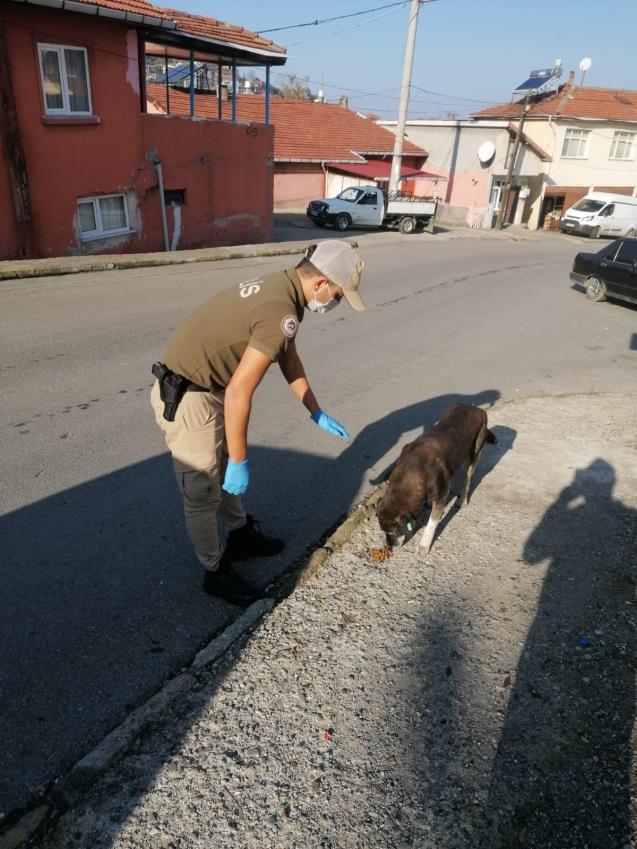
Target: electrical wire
340, 31
337, 18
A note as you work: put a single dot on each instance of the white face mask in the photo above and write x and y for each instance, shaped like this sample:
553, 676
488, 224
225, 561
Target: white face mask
316, 306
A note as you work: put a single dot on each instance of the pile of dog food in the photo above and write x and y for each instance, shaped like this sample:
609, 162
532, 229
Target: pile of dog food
379, 555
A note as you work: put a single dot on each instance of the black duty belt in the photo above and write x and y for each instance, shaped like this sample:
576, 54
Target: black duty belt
172, 387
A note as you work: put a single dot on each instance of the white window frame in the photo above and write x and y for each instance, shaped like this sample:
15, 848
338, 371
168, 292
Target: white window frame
623, 136
66, 109
584, 136
99, 232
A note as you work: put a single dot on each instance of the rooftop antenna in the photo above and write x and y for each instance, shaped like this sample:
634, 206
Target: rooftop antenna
584, 65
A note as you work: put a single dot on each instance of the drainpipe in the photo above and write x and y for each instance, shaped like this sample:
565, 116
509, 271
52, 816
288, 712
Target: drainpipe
154, 160
324, 179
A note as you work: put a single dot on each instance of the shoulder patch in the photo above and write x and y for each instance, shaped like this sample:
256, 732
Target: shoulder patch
289, 326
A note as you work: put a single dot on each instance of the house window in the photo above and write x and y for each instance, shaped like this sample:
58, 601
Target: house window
65, 80
622, 146
102, 216
575, 144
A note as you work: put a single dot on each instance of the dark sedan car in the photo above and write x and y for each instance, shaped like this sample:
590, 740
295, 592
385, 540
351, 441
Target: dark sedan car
611, 272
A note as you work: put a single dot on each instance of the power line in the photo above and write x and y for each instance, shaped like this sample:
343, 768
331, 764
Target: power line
347, 29
453, 96
337, 18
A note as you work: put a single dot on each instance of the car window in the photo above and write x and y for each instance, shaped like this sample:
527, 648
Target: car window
627, 252
351, 195
609, 253
608, 210
369, 198
587, 205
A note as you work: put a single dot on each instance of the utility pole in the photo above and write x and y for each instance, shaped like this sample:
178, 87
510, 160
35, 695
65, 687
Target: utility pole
394, 178
507, 183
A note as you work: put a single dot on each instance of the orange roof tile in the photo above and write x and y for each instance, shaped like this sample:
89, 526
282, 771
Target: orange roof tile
219, 31
571, 102
196, 25
322, 132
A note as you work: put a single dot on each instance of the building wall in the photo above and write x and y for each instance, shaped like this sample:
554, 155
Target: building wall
564, 176
295, 184
225, 169
8, 243
453, 153
597, 168
226, 172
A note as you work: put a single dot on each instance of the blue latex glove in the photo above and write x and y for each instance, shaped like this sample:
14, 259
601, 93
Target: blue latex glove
237, 477
329, 424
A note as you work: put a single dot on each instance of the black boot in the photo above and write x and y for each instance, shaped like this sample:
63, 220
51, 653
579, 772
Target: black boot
227, 584
248, 541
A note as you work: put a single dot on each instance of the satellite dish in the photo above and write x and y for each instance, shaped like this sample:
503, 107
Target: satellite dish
486, 152
585, 64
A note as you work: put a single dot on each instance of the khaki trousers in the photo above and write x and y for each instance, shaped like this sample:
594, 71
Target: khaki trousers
197, 442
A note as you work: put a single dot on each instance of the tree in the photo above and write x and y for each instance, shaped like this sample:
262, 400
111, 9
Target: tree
295, 88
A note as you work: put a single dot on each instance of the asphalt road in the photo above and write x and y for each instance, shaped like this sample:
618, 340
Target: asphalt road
101, 596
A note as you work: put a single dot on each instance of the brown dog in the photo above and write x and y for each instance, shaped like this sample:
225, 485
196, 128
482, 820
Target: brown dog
425, 468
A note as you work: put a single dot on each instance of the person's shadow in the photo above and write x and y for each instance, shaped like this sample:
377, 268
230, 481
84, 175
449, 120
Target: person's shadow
102, 597
562, 772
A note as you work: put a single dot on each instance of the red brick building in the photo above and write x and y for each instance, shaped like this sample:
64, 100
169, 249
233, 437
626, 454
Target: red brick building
82, 160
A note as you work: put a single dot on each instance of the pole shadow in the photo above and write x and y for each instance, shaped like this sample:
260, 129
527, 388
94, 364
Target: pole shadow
562, 771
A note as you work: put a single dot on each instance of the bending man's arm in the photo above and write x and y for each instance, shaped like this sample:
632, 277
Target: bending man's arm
238, 401
293, 371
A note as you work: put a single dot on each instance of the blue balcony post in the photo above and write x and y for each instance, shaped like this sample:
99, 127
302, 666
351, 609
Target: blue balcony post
234, 90
219, 91
192, 83
267, 94
167, 85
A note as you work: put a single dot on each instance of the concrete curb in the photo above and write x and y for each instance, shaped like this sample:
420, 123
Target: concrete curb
23, 269
27, 268
68, 791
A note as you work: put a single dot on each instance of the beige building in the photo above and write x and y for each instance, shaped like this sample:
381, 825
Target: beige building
470, 158
590, 138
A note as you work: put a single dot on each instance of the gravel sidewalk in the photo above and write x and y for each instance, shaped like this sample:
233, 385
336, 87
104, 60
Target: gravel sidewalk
482, 698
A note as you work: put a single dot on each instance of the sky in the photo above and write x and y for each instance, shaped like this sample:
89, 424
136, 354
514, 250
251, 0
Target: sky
469, 54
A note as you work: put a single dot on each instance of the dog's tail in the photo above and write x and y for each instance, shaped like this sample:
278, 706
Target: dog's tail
491, 437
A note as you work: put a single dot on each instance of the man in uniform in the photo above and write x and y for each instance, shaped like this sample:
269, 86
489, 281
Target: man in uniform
202, 398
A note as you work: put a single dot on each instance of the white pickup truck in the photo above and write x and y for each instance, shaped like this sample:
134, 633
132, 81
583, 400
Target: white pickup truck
368, 206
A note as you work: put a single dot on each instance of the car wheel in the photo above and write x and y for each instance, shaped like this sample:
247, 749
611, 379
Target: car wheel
595, 289
595, 233
342, 222
407, 225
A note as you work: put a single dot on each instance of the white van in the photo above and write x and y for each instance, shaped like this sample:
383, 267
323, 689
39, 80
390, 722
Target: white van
601, 214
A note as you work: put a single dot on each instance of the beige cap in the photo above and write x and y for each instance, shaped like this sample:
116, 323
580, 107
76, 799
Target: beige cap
339, 262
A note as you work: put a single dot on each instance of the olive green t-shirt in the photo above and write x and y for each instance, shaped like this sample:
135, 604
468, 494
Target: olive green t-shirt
263, 312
